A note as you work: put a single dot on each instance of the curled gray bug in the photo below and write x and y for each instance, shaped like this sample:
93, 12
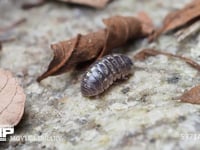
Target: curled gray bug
104, 72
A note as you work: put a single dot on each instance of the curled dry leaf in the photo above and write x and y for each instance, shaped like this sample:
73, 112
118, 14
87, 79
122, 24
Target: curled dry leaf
192, 96
83, 48
181, 18
12, 100
152, 52
148, 27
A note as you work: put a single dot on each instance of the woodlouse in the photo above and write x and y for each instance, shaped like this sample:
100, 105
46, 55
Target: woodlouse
104, 72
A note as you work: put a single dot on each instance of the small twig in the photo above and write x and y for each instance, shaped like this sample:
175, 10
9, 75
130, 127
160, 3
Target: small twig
151, 52
6, 35
13, 25
184, 33
32, 4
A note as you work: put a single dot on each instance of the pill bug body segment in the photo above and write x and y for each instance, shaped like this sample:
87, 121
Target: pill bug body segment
104, 72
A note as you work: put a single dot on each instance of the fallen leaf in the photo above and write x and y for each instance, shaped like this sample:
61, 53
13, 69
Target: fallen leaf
148, 27
192, 96
152, 52
181, 18
91, 3
12, 100
83, 48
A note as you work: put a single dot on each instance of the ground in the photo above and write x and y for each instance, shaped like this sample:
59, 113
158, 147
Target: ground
143, 112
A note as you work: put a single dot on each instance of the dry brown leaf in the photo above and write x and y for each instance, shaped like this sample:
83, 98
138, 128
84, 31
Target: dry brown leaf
148, 27
91, 3
83, 48
192, 96
174, 20
12, 100
152, 52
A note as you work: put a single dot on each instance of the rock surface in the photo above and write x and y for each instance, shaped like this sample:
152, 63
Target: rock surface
143, 112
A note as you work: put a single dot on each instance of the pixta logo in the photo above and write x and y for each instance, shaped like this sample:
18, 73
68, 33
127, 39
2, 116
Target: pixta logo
4, 131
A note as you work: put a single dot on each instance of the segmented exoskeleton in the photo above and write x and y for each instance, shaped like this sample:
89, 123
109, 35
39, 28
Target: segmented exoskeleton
104, 72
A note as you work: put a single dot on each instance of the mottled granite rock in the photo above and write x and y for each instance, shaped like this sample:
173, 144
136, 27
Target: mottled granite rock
143, 112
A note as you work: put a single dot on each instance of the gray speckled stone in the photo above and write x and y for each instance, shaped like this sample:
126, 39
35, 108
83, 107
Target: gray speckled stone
143, 112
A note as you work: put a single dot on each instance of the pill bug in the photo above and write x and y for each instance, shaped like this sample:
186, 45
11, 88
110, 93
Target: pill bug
104, 72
